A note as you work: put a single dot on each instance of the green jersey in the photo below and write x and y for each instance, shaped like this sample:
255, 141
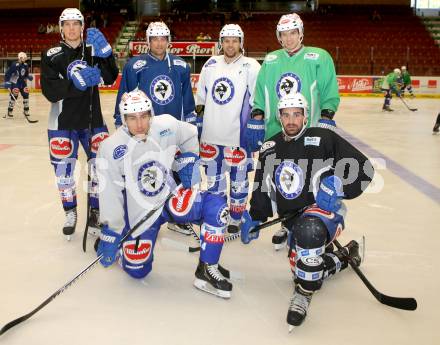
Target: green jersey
406, 78
392, 81
310, 71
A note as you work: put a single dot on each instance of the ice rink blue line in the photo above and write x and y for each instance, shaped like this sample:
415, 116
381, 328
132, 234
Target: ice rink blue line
409, 177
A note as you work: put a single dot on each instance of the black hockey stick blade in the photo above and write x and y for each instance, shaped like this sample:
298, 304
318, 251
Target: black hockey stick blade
406, 105
19, 320
404, 303
30, 120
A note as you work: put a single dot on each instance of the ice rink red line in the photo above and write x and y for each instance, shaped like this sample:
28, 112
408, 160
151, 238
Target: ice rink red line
5, 146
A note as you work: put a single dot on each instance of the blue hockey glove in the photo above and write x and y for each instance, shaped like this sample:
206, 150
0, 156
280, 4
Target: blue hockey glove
195, 120
118, 121
327, 123
187, 166
330, 194
108, 246
86, 77
29, 77
100, 46
246, 226
254, 134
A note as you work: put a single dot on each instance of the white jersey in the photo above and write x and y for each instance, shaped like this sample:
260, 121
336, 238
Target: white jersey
227, 92
141, 169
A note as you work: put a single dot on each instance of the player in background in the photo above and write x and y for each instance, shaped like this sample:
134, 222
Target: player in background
406, 78
295, 68
224, 99
135, 171
392, 83
16, 78
70, 74
436, 125
165, 78
307, 170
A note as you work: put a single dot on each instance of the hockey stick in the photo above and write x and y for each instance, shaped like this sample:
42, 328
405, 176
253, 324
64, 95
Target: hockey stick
18, 105
394, 302
15, 322
237, 235
406, 104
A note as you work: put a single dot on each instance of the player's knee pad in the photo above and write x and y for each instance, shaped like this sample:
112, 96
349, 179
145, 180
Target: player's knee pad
185, 206
310, 236
137, 257
63, 144
98, 136
15, 91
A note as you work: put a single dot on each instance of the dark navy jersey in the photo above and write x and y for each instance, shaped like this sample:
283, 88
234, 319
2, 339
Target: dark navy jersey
289, 172
18, 74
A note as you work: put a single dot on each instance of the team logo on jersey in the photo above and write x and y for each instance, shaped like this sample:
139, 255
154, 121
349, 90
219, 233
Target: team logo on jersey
223, 216
210, 62
212, 234
60, 148
234, 156
139, 64
182, 203
22, 71
162, 90
151, 178
139, 256
75, 66
288, 83
97, 139
270, 57
208, 152
289, 179
179, 62
119, 151
314, 141
311, 56
222, 91
53, 51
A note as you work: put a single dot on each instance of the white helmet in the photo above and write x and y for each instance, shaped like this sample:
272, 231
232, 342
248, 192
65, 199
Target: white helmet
70, 14
231, 30
135, 101
156, 29
293, 100
403, 68
288, 22
397, 71
22, 56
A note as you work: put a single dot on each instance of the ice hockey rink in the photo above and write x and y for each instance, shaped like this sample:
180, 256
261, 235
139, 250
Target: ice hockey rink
399, 216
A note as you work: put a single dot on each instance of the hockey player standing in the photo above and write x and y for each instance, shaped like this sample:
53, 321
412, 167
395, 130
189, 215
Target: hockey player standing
16, 78
406, 78
165, 79
70, 74
224, 101
297, 168
392, 83
295, 68
137, 162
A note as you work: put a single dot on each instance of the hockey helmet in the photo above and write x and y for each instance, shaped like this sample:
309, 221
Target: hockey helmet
293, 100
22, 56
397, 71
70, 14
135, 101
158, 29
231, 30
403, 68
288, 22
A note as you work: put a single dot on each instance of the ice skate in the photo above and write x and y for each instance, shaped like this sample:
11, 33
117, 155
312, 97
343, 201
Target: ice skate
279, 239
234, 226
184, 229
209, 279
299, 304
94, 224
70, 223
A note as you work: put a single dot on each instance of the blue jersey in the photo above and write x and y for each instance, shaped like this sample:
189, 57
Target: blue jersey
17, 74
166, 82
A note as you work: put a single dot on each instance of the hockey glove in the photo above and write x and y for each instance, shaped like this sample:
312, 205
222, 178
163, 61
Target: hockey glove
246, 226
254, 134
100, 46
108, 246
326, 123
330, 194
29, 77
118, 121
187, 166
191, 118
86, 77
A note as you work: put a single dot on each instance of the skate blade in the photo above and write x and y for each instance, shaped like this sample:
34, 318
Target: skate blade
179, 230
68, 237
291, 328
204, 286
361, 242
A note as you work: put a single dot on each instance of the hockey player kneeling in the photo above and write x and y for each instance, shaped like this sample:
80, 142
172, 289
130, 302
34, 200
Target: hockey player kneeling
302, 170
135, 166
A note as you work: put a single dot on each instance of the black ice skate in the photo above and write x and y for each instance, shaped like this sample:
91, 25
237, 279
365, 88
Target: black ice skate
436, 128
209, 279
279, 239
387, 108
70, 223
234, 226
95, 226
299, 304
184, 229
